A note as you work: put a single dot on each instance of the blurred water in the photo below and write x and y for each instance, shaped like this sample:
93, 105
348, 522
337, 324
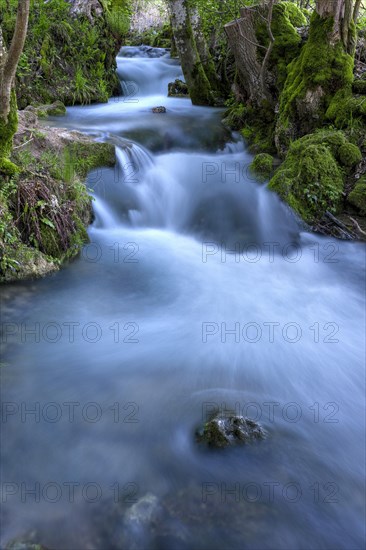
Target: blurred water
198, 288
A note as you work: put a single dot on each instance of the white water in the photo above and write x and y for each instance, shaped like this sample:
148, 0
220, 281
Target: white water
159, 269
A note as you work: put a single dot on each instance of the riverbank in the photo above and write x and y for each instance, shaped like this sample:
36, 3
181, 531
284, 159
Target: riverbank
45, 207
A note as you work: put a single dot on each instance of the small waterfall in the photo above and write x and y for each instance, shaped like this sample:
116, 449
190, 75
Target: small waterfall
146, 71
104, 217
210, 195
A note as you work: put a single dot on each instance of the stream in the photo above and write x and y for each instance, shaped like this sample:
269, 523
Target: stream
198, 290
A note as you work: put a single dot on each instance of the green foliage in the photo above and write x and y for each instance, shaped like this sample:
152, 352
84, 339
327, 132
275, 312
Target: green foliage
119, 22
65, 57
311, 180
45, 207
9, 235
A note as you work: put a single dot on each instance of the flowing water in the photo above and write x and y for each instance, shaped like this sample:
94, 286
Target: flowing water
199, 289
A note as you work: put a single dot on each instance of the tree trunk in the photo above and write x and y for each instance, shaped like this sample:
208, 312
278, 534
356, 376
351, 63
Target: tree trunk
193, 69
243, 43
342, 13
203, 50
8, 66
323, 71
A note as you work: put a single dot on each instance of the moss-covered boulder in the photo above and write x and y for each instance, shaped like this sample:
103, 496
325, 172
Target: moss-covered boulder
357, 196
345, 110
178, 88
57, 108
311, 179
262, 166
349, 155
359, 86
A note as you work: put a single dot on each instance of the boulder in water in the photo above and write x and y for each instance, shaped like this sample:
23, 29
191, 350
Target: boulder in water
160, 109
178, 88
224, 430
140, 521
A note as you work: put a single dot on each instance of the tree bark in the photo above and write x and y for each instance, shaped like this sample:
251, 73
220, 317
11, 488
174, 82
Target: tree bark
323, 69
8, 103
243, 43
193, 68
342, 13
203, 49
9, 60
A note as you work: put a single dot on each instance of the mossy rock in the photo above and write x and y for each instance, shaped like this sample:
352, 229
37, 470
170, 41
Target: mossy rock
81, 157
359, 86
346, 110
226, 429
56, 109
349, 155
262, 166
357, 196
178, 88
43, 111
256, 126
310, 180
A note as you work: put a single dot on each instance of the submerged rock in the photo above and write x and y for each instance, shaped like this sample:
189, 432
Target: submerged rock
178, 88
160, 109
140, 522
224, 430
28, 542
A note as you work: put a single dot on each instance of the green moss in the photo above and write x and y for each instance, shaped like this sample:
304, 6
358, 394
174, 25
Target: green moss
321, 70
55, 109
286, 16
58, 45
7, 131
359, 86
345, 109
262, 166
349, 155
8, 168
80, 158
357, 197
235, 116
256, 126
295, 14
333, 139
310, 180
